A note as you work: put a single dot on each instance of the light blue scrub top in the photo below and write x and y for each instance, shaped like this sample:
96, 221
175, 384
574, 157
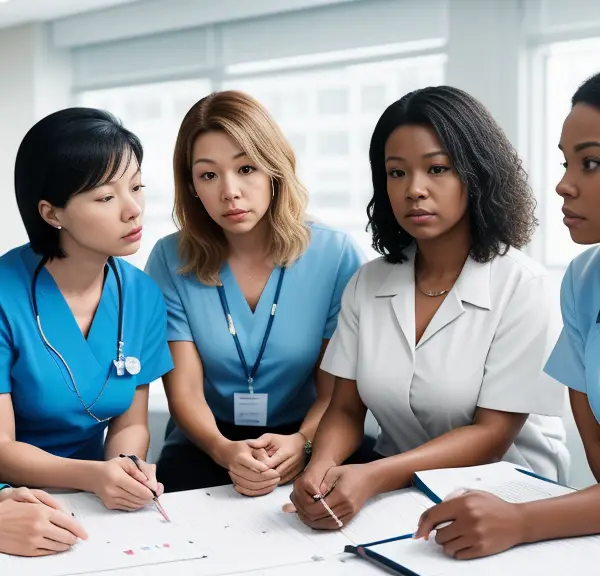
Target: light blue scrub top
307, 313
575, 360
48, 413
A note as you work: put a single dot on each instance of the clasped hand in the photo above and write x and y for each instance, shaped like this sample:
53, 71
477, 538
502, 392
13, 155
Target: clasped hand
257, 467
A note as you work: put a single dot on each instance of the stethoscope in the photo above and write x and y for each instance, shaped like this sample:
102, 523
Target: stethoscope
122, 363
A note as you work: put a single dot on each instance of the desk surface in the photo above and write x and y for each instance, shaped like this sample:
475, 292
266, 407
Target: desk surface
227, 533
339, 565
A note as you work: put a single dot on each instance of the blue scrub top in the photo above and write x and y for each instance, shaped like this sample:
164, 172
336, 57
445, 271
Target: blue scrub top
48, 413
575, 360
307, 313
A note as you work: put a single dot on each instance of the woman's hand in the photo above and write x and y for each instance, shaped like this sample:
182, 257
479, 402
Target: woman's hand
248, 470
285, 453
306, 486
481, 524
121, 486
345, 490
34, 529
27, 495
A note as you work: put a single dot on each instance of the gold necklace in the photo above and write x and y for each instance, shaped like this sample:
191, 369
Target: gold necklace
431, 293
434, 293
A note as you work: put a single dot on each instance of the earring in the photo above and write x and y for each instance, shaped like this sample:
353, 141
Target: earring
59, 227
272, 189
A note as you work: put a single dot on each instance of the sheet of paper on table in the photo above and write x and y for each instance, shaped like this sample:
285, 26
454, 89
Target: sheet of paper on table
500, 478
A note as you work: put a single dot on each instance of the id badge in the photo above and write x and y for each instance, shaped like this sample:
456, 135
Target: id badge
250, 409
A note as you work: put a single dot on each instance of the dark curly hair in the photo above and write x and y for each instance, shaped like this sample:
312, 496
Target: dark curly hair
501, 202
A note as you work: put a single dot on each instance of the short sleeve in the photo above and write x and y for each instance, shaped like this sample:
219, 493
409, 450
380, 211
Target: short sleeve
157, 267
351, 260
514, 380
566, 362
6, 355
341, 354
156, 357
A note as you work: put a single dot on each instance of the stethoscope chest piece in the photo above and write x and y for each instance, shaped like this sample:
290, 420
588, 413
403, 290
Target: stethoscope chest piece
132, 365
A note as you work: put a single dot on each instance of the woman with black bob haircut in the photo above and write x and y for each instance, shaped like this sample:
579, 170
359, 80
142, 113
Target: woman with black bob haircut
445, 337
82, 332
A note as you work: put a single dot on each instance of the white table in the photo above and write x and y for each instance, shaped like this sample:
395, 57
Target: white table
341, 565
238, 535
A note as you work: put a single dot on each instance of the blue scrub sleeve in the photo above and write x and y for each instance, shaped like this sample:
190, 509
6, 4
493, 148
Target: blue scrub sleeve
6, 355
161, 271
566, 362
351, 260
156, 357
3, 486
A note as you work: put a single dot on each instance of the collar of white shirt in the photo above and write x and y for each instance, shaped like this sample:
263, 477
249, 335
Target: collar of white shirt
473, 284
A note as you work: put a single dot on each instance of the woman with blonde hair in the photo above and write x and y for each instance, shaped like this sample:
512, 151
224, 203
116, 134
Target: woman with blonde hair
253, 291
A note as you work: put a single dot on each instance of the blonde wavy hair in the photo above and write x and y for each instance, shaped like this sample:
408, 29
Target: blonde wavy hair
203, 246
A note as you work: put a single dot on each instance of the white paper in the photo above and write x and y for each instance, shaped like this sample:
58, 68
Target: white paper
501, 479
116, 540
338, 565
556, 558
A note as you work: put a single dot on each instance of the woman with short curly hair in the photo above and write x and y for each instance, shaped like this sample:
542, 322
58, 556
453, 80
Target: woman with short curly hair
445, 337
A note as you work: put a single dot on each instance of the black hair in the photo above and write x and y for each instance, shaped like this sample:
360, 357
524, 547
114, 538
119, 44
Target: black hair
66, 153
588, 93
501, 202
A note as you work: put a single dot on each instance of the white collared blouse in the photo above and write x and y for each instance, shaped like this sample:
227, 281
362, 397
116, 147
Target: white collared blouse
485, 347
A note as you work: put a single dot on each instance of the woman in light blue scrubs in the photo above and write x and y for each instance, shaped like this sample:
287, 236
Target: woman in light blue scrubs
253, 291
82, 332
482, 524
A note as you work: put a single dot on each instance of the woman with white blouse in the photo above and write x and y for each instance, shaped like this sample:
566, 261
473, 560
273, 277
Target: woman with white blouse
445, 337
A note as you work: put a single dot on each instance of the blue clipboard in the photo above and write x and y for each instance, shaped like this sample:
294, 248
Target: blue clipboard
363, 551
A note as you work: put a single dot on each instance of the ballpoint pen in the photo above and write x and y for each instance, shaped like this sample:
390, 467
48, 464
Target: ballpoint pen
159, 506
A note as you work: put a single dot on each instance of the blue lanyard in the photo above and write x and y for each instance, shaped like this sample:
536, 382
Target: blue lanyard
250, 375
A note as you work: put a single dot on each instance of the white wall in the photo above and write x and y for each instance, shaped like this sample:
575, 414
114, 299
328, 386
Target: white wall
35, 81
16, 108
485, 44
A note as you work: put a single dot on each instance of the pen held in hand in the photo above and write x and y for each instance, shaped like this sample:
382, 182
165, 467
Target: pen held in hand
159, 506
331, 512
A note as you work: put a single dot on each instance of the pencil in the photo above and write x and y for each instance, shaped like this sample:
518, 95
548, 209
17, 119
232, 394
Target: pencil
159, 506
